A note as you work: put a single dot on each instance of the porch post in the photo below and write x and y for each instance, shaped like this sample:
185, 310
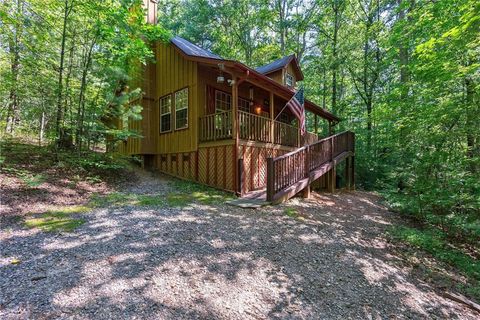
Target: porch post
272, 117
316, 124
235, 135
330, 128
235, 124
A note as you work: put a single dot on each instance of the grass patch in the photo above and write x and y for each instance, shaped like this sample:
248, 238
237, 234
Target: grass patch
435, 242
198, 193
291, 212
58, 220
150, 200
185, 193
120, 199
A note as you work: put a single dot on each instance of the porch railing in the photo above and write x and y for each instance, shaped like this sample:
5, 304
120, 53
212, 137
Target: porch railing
285, 134
218, 126
253, 127
287, 170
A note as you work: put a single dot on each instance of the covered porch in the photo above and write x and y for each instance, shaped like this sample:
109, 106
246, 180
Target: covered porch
249, 109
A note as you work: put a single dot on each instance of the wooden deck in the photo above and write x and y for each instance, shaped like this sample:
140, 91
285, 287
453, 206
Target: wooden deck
219, 126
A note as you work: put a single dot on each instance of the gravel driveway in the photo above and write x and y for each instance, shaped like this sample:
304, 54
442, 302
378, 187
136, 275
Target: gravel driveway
217, 262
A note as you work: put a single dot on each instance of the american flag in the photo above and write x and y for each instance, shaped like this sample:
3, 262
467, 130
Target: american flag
296, 105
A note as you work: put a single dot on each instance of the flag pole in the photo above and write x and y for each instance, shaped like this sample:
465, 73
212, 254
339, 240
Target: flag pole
285, 105
280, 112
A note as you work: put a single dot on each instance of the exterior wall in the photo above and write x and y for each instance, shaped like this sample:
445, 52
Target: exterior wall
278, 75
175, 73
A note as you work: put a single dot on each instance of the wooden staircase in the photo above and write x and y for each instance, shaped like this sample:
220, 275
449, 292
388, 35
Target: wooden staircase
293, 172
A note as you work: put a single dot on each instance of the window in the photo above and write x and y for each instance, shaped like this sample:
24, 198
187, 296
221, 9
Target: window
165, 113
243, 105
289, 80
223, 101
181, 109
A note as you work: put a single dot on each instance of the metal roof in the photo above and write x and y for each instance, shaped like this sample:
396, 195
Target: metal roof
275, 65
193, 50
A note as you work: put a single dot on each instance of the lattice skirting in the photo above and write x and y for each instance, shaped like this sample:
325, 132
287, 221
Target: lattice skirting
181, 164
255, 166
216, 166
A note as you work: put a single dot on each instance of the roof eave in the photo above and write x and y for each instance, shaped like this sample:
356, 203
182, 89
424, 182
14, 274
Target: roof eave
289, 93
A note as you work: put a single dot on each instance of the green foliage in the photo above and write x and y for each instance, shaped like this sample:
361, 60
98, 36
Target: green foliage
77, 101
291, 212
59, 219
436, 243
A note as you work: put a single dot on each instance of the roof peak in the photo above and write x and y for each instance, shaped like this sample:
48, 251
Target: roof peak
192, 49
276, 64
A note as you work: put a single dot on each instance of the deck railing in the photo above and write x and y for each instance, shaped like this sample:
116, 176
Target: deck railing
217, 126
253, 127
285, 134
286, 170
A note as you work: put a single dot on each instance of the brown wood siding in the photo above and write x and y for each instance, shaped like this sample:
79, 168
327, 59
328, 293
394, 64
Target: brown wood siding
277, 76
175, 73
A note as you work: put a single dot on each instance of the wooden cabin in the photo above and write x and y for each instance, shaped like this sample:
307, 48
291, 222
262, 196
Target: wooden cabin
224, 124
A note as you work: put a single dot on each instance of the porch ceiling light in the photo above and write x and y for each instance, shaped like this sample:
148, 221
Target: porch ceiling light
220, 79
257, 109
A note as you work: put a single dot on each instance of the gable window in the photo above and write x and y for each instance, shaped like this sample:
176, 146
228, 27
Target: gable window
289, 80
181, 109
223, 101
165, 113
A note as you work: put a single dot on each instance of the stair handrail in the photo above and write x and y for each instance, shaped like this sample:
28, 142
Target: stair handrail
271, 172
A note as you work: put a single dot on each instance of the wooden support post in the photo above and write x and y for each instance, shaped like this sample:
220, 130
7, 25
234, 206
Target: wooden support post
316, 124
270, 180
306, 192
330, 128
307, 161
299, 142
347, 173
334, 178
235, 124
235, 133
352, 172
272, 117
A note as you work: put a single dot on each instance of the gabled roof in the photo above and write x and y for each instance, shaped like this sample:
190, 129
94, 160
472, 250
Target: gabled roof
275, 65
193, 50
196, 53
280, 64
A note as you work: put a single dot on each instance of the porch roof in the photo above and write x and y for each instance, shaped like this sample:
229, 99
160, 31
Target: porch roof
193, 52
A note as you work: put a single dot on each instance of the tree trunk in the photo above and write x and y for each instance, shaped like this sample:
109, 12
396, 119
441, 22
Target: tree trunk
334, 56
13, 110
59, 120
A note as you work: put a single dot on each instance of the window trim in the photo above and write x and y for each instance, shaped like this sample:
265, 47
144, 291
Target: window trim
231, 101
175, 108
247, 101
289, 76
227, 94
162, 114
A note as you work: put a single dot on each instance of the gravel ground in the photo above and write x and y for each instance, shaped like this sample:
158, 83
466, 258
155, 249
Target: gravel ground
217, 262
